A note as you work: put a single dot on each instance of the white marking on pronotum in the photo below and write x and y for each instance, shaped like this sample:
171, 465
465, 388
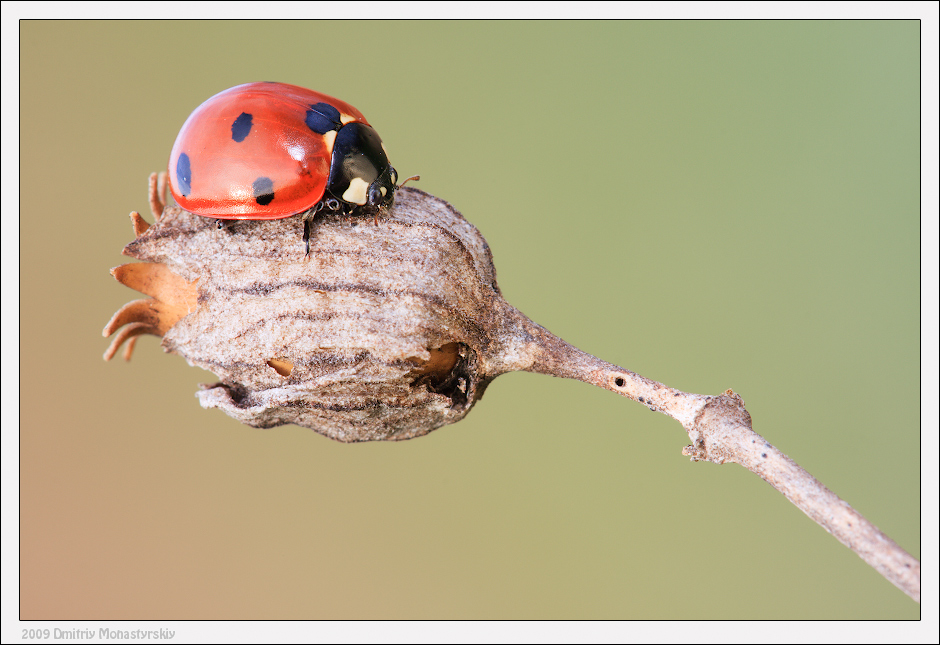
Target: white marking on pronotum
357, 191
329, 138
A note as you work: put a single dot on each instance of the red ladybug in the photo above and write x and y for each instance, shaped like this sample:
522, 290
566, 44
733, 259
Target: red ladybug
271, 150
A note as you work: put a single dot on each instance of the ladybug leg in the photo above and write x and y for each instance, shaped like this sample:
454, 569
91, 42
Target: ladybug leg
308, 226
347, 211
306, 238
336, 206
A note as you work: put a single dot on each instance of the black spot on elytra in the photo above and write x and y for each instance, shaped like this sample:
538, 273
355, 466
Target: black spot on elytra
323, 117
184, 175
241, 127
264, 190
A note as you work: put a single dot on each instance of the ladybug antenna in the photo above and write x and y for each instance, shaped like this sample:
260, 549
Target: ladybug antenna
413, 177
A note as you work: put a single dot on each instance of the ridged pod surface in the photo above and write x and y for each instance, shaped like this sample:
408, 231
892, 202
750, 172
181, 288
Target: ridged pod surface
387, 330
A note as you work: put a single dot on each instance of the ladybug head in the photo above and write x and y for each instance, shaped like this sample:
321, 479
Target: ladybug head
382, 190
360, 173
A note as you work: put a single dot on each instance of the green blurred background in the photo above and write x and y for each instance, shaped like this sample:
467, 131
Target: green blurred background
710, 204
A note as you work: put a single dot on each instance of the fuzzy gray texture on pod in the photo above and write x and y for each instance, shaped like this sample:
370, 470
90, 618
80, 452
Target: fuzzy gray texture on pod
387, 330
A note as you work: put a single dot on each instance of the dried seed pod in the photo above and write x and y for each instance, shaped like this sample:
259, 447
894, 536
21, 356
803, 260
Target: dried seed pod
385, 331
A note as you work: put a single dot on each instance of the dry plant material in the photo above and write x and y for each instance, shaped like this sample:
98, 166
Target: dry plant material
387, 331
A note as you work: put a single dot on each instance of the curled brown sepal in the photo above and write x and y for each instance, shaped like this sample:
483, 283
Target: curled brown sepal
172, 298
388, 329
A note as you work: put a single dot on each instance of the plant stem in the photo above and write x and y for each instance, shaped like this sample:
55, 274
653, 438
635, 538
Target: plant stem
721, 431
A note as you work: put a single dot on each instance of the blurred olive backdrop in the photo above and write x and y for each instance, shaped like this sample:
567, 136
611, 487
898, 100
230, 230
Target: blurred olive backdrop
711, 204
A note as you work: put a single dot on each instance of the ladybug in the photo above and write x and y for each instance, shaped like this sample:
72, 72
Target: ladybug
264, 151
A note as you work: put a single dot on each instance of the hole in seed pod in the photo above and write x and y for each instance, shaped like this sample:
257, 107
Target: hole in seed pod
438, 367
281, 366
447, 371
619, 382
